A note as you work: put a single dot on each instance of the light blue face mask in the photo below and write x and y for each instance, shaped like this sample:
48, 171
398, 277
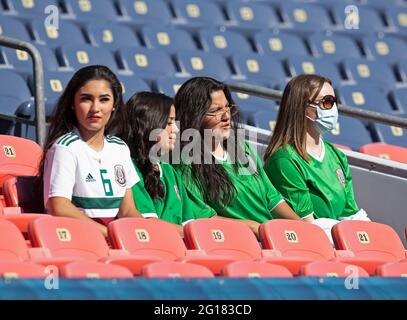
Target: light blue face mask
326, 118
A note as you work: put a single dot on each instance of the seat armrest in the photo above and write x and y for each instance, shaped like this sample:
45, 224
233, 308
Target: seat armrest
270, 253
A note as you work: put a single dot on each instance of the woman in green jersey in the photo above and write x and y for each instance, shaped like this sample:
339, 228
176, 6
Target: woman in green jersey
312, 175
215, 166
150, 132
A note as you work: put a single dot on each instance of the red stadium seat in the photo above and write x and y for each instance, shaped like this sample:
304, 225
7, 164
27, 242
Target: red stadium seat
302, 239
18, 157
385, 151
155, 237
369, 240
171, 269
392, 269
91, 269
332, 269
20, 192
234, 239
254, 269
342, 147
10, 270
80, 240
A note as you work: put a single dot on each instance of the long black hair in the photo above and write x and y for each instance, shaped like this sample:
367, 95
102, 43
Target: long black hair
192, 102
63, 119
144, 112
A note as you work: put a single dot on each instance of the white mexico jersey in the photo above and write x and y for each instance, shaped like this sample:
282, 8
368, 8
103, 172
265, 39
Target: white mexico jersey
95, 182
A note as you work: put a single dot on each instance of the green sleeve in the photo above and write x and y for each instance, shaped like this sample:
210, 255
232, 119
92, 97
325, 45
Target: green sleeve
351, 207
195, 206
287, 179
142, 198
273, 196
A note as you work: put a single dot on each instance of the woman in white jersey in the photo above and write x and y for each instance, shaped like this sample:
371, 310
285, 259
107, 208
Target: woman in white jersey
312, 175
88, 174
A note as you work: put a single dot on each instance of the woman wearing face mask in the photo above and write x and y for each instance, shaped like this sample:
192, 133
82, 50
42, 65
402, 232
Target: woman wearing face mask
312, 175
150, 132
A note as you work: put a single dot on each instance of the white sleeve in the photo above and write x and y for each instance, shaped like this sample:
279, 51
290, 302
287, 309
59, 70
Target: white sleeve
361, 215
59, 173
131, 173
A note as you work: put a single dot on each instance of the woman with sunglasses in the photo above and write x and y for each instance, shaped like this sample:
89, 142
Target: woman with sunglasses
220, 170
312, 175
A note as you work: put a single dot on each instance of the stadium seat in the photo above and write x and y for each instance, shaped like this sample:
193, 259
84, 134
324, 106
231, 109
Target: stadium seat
224, 237
260, 68
365, 96
349, 132
225, 43
86, 10
265, 119
396, 15
22, 270
304, 17
251, 16
370, 240
145, 12
279, 45
66, 34
196, 14
32, 9
13, 28
158, 238
363, 71
78, 56
302, 239
94, 270
111, 35
252, 269
357, 20
170, 269
168, 39
335, 47
22, 191
388, 49
80, 240
332, 269
22, 62
19, 157
147, 63
385, 151
310, 65
399, 96
390, 134
392, 269
132, 85
198, 63
169, 85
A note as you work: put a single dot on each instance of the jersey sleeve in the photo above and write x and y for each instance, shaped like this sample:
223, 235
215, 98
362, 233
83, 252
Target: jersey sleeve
350, 207
196, 207
142, 199
59, 173
287, 179
274, 197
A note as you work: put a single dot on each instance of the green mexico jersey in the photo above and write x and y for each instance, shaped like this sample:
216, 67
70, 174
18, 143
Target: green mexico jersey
322, 187
175, 206
255, 198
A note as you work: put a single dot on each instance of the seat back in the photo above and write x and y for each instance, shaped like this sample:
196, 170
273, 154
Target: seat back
11, 270
153, 237
332, 269
252, 269
392, 269
222, 237
175, 270
12, 244
385, 151
68, 237
296, 238
368, 239
94, 270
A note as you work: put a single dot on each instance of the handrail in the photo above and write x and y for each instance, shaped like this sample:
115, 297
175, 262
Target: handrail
346, 110
38, 81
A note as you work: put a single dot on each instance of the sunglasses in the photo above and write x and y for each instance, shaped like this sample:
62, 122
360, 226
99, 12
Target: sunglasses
327, 102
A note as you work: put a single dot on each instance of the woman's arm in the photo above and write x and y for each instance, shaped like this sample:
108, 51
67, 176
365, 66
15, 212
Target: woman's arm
284, 211
128, 208
63, 207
